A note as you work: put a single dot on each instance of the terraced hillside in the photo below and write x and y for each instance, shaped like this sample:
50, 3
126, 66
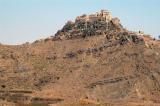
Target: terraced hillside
88, 62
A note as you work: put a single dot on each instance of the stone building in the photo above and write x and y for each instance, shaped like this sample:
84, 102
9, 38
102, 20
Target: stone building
103, 15
90, 25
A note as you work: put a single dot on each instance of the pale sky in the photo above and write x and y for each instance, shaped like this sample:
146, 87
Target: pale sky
28, 20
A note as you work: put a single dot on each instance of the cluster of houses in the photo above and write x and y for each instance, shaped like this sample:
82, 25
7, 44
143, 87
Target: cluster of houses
103, 15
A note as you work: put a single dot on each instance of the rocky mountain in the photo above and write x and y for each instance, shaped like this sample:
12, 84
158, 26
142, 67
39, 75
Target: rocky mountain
92, 61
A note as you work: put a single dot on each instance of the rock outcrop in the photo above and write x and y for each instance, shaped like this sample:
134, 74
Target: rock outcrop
90, 25
98, 24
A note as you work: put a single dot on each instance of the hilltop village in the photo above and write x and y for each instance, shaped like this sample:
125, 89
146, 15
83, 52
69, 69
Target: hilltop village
89, 25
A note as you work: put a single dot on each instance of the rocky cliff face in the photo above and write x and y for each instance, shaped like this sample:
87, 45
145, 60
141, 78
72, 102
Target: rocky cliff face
88, 62
84, 26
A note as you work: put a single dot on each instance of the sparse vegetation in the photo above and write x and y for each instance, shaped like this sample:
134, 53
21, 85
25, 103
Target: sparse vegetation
93, 58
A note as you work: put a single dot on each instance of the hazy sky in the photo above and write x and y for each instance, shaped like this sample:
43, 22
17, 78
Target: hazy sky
28, 20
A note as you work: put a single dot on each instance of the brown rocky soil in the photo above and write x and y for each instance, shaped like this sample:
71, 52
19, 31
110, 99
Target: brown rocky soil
82, 68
